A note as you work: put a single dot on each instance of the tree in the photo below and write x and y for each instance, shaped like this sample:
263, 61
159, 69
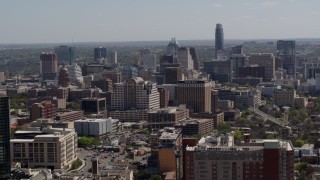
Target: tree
238, 135
156, 177
84, 141
299, 143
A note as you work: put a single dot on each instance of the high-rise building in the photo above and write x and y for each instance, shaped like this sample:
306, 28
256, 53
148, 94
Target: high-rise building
196, 63
219, 39
100, 52
65, 54
196, 94
218, 69
265, 60
286, 50
93, 105
48, 66
173, 75
135, 93
220, 158
172, 47
149, 61
164, 97
184, 58
5, 165
237, 61
64, 77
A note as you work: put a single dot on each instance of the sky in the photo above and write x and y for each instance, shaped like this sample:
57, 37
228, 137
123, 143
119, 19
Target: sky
65, 21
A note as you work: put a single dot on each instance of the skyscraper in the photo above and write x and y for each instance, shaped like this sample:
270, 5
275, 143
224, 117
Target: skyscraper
286, 50
196, 64
219, 39
184, 58
173, 47
5, 165
65, 54
100, 52
48, 66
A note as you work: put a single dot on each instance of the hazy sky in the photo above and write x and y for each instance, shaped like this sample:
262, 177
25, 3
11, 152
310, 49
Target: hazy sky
34, 21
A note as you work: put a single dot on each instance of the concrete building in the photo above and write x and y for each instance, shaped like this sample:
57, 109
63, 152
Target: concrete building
99, 53
114, 75
93, 105
130, 115
220, 158
184, 58
52, 148
170, 140
172, 47
5, 149
225, 105
237, 61
173, 75
196, 126
45, 109
164, 97
64, 79
75, 73
252, 71
284, 97
48, 66
196, 94
93, 127
266, 60
66, 55
45, 122
135, 93
167, 117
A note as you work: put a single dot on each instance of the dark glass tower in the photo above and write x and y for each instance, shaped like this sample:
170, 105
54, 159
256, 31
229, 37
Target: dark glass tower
5, 165
66, 55
286, 50
219, 39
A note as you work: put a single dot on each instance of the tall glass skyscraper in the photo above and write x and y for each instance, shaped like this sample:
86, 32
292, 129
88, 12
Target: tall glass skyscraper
219, 39
5, 165
286, 50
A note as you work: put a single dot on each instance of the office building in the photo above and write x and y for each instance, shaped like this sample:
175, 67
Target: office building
219, 70
104, 84
45, 109
93, 105
286, 50
93, 127
284, 97
252, 71
99, 53
237, 61
129, 72
196, 63
173, 75
48, 66
95, 166
65, 55
219, 158
130, 115
149, 61
196, 126
167, 117
265, 60
164, 97
237, 50
68, 115
75, 73
135, 93
214, 101
196, 94
219, 39
184, 58
5, 165
54, 148
172, 47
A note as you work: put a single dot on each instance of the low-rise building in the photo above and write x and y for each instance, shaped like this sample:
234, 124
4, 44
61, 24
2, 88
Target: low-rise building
93, 127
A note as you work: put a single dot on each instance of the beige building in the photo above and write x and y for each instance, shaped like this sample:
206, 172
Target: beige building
52, 148
184, 58
284, 97
135, 93
130, 115
196, 94
266, 60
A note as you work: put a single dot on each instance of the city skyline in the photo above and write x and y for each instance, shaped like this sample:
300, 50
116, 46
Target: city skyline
37, 21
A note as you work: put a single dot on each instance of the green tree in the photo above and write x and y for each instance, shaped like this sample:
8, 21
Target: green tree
84, 141
156, 177
238, 135
299, 143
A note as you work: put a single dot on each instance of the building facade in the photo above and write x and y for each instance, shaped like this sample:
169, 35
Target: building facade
5, 165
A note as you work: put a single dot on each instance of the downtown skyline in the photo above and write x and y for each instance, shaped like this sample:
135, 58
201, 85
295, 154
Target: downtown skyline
37, 21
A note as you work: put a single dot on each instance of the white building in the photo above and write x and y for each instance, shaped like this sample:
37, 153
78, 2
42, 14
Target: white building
184, 58
52, 148
75, 73
93, 127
